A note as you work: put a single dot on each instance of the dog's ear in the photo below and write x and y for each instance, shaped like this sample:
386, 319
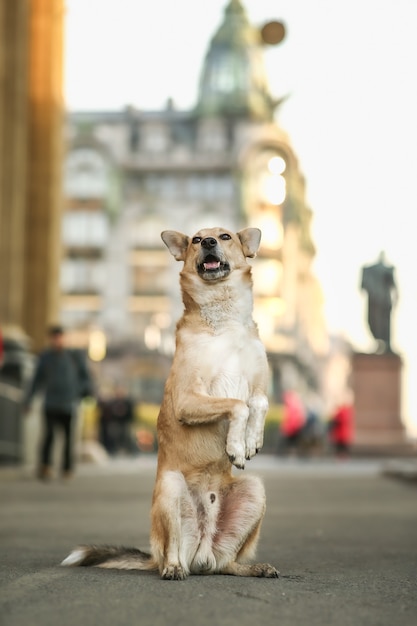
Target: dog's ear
250, 239
177, 243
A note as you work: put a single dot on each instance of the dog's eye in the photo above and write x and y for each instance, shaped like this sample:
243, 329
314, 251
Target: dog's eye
196, 239
225, 236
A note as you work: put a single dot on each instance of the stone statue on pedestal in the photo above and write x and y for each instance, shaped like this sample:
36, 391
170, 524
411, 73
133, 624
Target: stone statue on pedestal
378, 281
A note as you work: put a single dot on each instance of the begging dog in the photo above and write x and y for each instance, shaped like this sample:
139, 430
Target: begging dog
204, 519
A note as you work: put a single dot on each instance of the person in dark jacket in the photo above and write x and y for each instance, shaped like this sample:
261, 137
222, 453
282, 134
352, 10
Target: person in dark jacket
62, 375
122, 415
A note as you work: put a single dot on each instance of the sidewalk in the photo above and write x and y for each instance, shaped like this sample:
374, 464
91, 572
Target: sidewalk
342, 534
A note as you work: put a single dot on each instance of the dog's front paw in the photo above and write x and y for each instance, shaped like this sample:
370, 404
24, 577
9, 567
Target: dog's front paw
236, 454
254, 443
235, 442
251, 448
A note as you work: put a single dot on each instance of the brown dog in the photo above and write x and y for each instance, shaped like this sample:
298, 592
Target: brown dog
204, 519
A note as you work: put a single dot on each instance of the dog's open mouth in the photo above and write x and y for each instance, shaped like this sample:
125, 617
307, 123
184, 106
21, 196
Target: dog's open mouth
212, 267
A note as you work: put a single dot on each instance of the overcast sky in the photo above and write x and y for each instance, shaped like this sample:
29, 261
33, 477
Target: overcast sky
349, 68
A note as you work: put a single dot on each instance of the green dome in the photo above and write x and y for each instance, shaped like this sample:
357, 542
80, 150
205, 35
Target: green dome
233, 79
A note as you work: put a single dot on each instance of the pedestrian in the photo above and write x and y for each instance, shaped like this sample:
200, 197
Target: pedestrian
293, 420
62, 376
107, 430
341, 429
122, 416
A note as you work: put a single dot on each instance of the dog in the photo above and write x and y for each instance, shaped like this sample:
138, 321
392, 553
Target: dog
204, 519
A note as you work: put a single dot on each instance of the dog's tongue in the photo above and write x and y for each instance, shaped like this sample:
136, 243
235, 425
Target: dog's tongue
212, 265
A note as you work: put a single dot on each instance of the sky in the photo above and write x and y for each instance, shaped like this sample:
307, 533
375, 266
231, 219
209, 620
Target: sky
348, 68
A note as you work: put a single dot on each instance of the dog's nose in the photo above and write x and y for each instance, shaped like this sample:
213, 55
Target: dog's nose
209, 242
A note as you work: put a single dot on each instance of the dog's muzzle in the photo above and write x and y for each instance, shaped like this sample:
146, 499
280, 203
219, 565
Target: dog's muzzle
211, 263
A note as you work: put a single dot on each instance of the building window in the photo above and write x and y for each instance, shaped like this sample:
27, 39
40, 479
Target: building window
209, 187
72, 318
85, 229
154, 139
169, 186
149, 280
212, 136
82, 276
85, 174
146, 233
133, 137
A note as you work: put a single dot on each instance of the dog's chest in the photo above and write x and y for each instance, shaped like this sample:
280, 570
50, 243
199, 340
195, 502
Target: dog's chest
229, 362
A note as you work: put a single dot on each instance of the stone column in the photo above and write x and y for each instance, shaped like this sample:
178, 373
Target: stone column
44, 164
31, 137
14, 20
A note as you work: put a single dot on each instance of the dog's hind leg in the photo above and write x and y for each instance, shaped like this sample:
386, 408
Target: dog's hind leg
240, 519
175, 534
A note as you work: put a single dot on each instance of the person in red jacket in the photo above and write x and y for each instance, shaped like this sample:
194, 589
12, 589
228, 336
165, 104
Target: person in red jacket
341, 429
293, 420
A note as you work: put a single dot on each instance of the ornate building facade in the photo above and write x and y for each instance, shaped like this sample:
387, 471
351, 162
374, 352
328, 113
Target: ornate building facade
130, 174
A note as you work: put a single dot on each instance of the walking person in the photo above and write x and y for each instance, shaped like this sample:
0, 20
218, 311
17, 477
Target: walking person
341, 429
122, 413
107, 435
293, 421
62, 375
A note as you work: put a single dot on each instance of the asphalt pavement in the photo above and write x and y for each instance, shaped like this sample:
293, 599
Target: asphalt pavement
342, 533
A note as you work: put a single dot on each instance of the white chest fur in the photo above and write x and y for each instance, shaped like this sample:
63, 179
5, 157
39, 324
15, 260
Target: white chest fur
229, 362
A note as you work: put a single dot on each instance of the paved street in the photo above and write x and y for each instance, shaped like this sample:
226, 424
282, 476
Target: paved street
342, 534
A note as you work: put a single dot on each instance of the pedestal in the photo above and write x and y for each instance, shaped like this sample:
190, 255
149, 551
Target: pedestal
376, 383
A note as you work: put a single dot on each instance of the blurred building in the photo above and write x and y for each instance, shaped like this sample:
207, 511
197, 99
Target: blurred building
130, 174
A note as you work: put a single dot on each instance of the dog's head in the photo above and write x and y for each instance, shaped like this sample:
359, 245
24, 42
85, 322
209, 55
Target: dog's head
213, 253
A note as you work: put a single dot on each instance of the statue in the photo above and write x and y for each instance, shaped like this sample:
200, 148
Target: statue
379, 282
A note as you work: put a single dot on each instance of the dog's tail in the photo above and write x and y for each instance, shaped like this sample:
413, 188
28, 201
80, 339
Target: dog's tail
111, 557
